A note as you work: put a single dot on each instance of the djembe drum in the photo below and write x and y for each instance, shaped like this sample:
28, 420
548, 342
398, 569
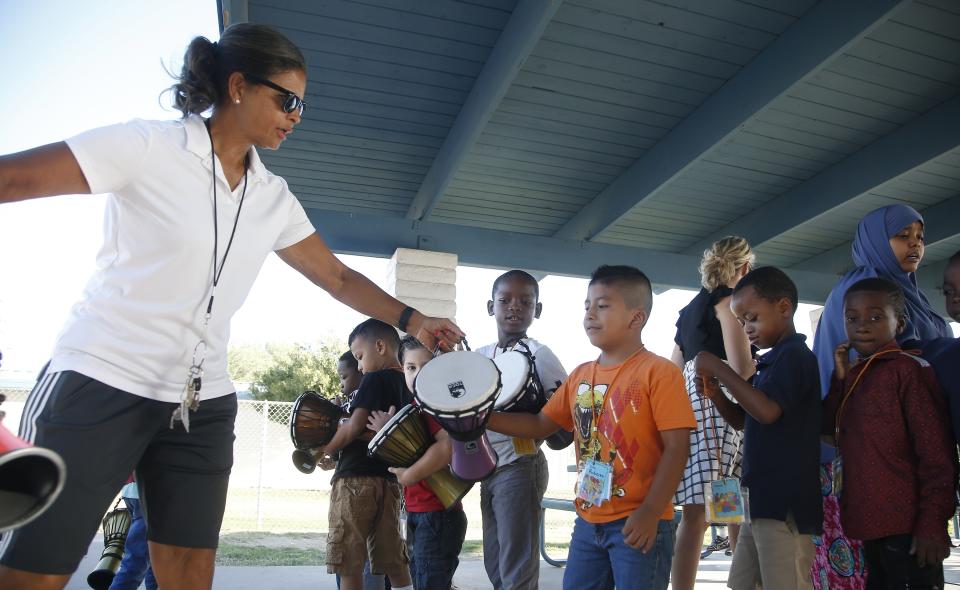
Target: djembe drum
313, 423
402, 441
459, 389
522, 390
116, 525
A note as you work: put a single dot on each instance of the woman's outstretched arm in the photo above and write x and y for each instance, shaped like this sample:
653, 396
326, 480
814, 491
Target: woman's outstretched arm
45, 171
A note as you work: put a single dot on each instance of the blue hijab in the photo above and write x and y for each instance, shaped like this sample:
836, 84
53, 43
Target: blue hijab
874, 258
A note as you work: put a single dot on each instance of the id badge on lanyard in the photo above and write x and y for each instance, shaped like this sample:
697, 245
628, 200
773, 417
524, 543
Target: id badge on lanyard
837, 464
724, 501
524, 446
595, 482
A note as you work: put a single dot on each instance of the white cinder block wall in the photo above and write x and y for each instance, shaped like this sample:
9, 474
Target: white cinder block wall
424, 280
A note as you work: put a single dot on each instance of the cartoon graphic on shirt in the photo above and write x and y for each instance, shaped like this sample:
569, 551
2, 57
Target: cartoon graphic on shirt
589, 402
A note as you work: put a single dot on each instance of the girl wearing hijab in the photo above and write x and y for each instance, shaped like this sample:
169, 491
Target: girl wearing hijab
889, 244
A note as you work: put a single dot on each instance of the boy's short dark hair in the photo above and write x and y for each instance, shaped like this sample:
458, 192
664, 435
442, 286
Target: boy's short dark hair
409, 342
633, 284
770, 283
375, 329
881, 286
350, 360
516, 274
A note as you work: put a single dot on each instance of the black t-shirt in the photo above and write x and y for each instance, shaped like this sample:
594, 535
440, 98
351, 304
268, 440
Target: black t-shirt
698, 328
378, 391
781, 461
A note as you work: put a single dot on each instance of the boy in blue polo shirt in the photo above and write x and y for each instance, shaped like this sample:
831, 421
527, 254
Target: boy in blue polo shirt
779, 410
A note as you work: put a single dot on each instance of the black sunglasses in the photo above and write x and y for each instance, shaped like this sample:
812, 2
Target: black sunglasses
290, 102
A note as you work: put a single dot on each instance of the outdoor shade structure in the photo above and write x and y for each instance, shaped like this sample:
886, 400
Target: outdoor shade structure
558, 135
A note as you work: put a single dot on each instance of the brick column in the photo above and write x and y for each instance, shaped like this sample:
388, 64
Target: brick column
424, 280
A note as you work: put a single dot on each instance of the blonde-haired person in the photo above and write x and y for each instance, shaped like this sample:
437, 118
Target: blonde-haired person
707, 324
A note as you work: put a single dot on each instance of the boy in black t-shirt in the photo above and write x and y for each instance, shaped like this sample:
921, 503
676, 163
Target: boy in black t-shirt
365, 498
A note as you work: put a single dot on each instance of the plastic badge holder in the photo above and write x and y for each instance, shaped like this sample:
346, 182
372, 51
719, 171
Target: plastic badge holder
725, 501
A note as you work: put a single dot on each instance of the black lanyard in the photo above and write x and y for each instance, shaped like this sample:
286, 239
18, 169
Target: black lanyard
223, 261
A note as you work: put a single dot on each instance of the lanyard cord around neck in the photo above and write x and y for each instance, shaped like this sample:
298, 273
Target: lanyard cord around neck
709, 413
595, 425
843, 402
223, 261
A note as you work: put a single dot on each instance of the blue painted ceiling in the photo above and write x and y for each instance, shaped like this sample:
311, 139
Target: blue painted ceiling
555, 135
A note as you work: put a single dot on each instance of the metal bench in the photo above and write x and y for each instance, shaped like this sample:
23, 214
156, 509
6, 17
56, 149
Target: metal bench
553, 504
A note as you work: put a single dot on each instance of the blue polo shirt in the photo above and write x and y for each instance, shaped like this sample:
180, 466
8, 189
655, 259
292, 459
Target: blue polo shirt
781, 461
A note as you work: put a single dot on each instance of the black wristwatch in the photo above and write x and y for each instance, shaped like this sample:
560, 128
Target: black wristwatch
405, 318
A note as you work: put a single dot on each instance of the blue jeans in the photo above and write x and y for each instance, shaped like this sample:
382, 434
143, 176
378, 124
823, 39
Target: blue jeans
434, 540
599, 559
135, 567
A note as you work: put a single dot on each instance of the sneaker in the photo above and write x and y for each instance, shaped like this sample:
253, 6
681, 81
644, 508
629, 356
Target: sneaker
719, 544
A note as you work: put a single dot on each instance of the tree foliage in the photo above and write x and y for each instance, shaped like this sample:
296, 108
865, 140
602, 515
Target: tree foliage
281, 372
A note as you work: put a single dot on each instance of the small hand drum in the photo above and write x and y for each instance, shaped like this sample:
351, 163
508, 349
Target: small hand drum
402, 441
459, 389
521, 391
313, 422
116, 525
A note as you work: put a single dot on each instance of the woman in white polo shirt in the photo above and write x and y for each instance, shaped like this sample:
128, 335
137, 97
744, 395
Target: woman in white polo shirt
138, 377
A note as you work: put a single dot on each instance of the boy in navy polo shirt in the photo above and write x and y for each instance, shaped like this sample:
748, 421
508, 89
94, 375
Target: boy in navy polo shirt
779, 410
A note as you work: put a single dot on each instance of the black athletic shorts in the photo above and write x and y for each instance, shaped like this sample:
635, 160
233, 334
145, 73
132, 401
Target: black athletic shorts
103, 435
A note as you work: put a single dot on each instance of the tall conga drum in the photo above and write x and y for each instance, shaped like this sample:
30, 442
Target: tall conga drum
313, 422
402, 441
459, 389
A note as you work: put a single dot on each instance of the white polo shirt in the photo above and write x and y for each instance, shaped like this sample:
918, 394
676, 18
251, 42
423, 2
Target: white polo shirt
141, 313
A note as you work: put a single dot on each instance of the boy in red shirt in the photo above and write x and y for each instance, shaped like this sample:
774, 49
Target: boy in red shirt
889, 418
434, 535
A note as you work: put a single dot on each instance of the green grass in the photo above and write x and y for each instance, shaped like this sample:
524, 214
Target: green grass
288, 527
270, 549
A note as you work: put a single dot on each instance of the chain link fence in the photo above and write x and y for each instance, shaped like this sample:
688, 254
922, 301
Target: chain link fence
267, 493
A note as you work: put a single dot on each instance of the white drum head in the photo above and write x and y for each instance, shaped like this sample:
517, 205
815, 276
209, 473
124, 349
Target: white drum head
391, 425
457, 381
514, 373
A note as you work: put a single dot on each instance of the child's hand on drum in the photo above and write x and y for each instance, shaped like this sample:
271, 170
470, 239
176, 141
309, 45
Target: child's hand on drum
401, 473
379, 418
